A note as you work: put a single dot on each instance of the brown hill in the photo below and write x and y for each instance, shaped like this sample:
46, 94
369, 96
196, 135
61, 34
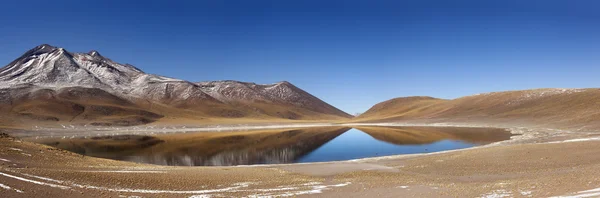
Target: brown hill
566, 108
93, 106
407, 107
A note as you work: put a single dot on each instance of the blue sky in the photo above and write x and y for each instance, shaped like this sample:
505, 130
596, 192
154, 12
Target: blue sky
351, 54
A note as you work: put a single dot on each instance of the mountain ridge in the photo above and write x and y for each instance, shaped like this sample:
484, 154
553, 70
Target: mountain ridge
280, 93
558, 107
46, 72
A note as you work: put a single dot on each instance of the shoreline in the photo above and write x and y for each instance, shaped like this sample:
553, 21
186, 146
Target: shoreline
157, 129
497, 169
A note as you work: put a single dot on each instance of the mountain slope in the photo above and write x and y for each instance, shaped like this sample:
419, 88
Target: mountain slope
409, 107
51, 84
282, 94
48, 66
570, 108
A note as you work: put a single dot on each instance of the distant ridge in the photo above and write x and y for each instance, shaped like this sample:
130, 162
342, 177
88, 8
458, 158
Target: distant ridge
563, 108
282, 94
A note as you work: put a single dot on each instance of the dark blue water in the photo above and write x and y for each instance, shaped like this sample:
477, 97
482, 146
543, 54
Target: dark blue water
355, 144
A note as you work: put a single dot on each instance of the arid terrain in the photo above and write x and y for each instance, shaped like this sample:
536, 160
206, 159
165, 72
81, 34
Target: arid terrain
90, 106
536, 163
573, 109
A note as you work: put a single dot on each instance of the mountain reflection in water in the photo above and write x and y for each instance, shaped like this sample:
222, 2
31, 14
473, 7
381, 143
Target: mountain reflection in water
278, 146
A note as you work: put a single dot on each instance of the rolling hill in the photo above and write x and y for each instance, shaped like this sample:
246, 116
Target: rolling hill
564, 108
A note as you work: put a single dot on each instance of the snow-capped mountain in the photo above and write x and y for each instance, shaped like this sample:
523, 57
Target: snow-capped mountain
48, 73
51, 67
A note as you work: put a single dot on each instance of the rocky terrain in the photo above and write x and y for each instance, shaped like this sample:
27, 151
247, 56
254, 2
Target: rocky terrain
52, 85
267, 98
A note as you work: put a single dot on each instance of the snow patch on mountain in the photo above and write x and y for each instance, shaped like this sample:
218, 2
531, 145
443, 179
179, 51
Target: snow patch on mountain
52, 68
281, 93
230, 91
536, 94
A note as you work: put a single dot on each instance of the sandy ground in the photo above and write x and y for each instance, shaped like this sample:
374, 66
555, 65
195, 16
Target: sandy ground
538, 163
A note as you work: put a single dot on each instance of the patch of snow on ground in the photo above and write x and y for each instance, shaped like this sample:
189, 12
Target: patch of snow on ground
317, 189
43, 178
585, 193
200, 196
228, 189
311, 183
497, 194
9, 188
292, 190
125, 171
2, 159
526, 193
577, 140
15, 149
35, 182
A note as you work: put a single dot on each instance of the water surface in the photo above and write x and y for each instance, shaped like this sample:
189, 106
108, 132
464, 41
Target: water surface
355, 144
279, 145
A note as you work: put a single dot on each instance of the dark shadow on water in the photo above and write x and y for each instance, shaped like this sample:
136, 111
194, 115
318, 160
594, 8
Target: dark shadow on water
278, 146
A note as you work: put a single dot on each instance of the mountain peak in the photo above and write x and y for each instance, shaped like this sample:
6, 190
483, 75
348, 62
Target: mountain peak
40, 49
49, 65
44, 46
94, 53
282, 93
285, 84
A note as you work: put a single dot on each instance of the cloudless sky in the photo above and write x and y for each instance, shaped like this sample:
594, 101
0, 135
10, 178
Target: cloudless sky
352, 54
